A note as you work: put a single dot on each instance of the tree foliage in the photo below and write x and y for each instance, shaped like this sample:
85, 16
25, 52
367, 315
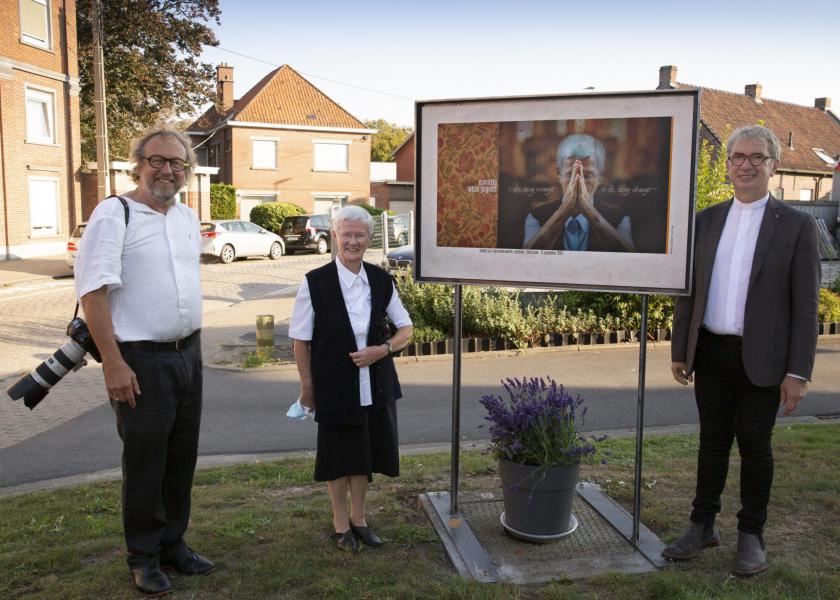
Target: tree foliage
152, 71
712, 184
222, 201
271, 214
388, 139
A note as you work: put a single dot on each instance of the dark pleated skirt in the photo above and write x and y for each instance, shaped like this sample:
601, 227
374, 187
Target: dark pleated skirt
365, 449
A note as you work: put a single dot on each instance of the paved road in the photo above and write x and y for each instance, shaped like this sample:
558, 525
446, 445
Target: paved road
244, 412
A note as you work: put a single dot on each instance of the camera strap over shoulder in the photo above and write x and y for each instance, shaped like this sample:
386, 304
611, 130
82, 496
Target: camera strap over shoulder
125, 207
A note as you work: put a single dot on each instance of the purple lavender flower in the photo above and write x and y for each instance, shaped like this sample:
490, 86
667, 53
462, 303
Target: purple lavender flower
537, 424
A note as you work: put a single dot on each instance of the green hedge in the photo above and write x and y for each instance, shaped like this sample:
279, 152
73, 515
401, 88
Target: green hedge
524, 319
271, 214
222, 201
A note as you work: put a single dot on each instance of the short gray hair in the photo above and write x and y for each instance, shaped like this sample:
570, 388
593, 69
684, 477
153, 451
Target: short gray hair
756, 132
352, 213
581, 145
138, 149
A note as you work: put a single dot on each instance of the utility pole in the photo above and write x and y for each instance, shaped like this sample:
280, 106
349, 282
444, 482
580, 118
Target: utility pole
103, 179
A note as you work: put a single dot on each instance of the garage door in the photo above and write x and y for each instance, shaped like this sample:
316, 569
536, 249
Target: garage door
400, 207
246, 203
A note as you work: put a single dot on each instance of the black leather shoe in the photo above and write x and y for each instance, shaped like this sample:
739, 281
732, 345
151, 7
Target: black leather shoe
367, 535
150, 580
345, 541
187, 562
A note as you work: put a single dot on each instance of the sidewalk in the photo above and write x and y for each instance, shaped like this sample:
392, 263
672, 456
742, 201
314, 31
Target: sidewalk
31, 270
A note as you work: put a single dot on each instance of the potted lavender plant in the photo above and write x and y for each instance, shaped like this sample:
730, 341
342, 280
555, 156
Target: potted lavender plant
535, 435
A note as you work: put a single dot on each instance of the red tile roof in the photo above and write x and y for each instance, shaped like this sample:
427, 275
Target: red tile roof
282, 97
810, 127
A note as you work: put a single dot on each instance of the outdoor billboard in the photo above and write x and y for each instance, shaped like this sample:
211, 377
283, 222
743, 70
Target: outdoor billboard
589, 191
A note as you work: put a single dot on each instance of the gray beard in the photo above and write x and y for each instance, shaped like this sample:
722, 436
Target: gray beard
162, 199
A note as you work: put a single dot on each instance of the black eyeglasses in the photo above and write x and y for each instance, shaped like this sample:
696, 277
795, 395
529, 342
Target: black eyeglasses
755, 159
176, 164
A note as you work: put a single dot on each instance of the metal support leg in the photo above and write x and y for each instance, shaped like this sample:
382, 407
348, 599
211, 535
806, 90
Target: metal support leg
456, 406
640, 420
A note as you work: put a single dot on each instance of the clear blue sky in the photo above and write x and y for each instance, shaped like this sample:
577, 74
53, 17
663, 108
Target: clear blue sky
434, 49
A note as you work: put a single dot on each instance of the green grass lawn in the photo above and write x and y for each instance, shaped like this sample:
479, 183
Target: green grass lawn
267, 526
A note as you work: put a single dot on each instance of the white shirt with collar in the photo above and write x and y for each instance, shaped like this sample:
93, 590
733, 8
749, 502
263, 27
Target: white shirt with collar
733, 265
150, 268
356, 292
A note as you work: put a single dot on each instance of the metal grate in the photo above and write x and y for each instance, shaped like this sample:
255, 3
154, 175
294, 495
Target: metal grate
593, 537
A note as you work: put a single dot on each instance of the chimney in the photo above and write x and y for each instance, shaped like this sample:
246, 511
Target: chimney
667, 78
822, 103
224, 86
790, 140
754, 91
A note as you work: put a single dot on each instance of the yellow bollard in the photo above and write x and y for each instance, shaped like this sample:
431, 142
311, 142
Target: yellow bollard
265, 335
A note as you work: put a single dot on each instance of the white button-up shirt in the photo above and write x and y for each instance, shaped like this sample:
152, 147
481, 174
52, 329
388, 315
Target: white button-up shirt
150, 268
356, 292
732, 268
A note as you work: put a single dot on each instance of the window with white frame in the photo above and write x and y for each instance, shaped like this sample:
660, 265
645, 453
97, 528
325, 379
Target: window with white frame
264, 154
331, 156
35, 22
40, 116
43, 206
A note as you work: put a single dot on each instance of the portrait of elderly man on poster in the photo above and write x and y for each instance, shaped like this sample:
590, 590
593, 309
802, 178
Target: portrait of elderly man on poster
596, 185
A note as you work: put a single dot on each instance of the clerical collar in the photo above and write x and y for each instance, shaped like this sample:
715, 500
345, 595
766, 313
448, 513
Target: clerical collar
757, 205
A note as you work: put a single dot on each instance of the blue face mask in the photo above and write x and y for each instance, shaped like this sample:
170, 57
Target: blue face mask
298, 411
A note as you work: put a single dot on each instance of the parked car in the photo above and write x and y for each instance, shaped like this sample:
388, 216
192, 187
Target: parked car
73, 244
306, 232
400, 258
229, 240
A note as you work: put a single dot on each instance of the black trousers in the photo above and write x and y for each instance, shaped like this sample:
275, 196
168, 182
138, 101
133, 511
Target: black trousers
732, 408
160, 446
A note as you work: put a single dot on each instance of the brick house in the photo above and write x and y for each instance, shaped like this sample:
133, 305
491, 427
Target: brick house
40, 149
284, 141
810, 136
398, 194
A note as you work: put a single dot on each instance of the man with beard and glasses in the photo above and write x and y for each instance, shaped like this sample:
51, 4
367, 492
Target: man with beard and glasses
138, 281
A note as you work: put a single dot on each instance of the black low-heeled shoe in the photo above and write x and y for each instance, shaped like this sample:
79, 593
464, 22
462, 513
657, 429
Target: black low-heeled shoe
346, 541
367, 535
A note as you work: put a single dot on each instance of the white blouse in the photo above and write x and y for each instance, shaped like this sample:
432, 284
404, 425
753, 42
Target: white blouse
356, 292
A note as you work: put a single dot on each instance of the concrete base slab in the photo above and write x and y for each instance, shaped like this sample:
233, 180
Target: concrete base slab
479, 547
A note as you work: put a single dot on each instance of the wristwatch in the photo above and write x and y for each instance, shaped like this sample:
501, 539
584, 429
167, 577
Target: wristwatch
390, 346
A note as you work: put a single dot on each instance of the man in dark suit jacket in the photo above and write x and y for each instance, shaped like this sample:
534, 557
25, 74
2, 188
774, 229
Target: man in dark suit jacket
748, 334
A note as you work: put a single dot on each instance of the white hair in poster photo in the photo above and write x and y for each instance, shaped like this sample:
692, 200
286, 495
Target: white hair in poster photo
592, 191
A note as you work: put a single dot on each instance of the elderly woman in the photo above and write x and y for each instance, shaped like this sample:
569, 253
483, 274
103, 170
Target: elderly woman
343, 352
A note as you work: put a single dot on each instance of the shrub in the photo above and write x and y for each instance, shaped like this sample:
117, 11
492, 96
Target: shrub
834, 286
222, 201
829, 308
270, 215
374, 212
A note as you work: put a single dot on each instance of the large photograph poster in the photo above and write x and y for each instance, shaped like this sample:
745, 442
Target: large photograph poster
598, 197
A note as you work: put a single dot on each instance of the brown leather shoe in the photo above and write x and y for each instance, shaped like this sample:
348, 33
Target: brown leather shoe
346, 541
697, 537
367, 535
752, 555
150, 580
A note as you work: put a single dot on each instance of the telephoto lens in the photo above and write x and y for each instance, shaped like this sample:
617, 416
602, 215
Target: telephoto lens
33, 386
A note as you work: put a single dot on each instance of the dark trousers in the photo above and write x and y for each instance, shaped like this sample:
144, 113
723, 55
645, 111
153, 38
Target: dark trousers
160, 446
732, 408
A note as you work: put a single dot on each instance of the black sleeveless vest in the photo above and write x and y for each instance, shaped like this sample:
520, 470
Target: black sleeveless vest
335, 378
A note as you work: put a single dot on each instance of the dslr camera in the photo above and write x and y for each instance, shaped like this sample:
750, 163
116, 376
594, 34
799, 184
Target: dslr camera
33, 386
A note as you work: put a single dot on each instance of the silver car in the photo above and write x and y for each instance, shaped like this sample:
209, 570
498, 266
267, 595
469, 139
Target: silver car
229, 240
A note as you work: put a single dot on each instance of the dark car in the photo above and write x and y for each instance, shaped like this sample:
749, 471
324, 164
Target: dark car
400, 258
306, 232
